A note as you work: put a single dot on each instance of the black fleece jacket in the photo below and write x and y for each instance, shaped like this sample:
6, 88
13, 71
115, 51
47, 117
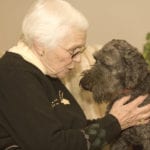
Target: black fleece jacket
33, 116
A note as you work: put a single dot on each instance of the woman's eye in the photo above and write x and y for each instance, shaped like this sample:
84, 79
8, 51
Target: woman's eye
94, 57
97, 61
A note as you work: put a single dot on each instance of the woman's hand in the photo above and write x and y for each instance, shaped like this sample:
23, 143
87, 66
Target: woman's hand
130, 114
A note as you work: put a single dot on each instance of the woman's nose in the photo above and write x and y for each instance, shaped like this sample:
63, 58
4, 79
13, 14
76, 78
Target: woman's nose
77, 58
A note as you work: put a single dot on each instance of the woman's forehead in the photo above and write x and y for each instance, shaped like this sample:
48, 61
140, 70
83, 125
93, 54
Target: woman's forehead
74, 38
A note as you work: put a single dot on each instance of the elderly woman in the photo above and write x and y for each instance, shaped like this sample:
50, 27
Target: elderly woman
37, 112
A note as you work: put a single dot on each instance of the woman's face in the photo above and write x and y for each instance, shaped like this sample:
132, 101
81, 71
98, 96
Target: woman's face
60, 60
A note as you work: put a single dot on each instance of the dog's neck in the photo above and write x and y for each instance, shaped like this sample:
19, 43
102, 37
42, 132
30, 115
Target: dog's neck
141, 89
144, 86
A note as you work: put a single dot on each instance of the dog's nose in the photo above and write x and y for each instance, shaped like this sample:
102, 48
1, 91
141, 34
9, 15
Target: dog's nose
85, 84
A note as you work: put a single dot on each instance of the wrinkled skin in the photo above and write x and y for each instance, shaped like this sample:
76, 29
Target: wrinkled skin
120, 70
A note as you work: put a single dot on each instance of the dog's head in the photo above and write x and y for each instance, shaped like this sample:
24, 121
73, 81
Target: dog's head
118, 68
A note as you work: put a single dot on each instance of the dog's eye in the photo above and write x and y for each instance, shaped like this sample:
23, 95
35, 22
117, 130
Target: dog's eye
96, 60
94, 56
106, 65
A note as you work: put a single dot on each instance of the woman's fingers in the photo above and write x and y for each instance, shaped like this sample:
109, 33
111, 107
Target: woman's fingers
142, 112
141, 122
136, 102
131, 114
145, 114
122, 101
144, 109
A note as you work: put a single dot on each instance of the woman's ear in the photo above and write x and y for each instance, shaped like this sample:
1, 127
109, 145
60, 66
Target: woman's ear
38, 48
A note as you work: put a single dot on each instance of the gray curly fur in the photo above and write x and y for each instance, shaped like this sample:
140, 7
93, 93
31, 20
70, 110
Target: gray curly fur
120, 70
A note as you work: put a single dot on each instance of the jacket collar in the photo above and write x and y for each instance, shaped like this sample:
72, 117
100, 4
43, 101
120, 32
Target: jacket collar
27, 54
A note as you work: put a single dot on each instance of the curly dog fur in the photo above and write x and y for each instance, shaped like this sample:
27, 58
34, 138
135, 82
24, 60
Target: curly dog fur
120, 70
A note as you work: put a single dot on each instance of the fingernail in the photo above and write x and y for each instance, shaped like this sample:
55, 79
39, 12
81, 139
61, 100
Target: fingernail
145, 95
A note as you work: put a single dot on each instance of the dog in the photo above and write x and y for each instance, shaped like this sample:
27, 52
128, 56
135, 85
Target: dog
91, 109
120, 70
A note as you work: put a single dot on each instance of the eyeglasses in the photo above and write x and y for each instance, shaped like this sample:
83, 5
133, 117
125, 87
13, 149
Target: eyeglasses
76, 52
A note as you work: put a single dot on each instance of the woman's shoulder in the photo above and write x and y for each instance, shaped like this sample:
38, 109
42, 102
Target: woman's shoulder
14, 63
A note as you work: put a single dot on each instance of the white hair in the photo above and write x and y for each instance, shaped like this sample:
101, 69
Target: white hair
49, 20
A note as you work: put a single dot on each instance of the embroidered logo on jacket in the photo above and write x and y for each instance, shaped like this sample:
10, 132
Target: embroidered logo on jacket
60, 100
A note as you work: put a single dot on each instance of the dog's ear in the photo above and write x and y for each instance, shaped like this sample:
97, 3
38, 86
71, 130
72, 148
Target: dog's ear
136, 68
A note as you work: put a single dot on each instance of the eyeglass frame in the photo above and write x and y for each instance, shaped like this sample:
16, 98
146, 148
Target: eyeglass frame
73, 52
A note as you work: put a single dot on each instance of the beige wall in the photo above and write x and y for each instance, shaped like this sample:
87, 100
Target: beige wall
11, 14
126, 19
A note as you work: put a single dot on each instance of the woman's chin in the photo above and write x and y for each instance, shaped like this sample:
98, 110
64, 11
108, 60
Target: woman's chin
62, 74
